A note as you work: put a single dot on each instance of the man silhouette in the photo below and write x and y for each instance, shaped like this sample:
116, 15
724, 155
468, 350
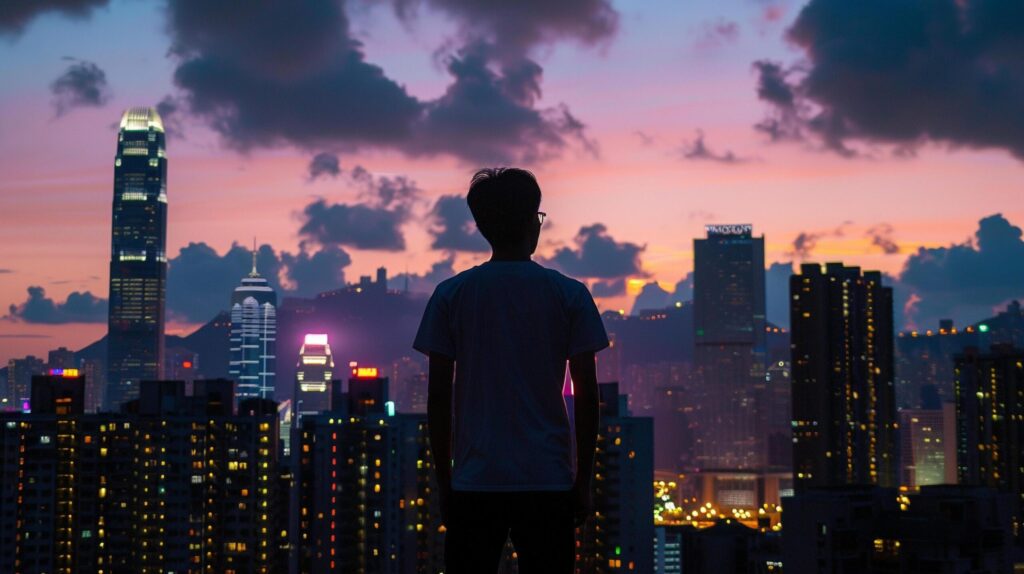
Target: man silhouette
498, 337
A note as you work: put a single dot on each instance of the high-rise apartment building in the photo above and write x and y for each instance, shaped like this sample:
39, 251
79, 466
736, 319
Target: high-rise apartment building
989, 391
313, 377
175, 483
844, 415
254, 336
927, 446
138, 260
730, 348
366, 500
19, 381
619, 537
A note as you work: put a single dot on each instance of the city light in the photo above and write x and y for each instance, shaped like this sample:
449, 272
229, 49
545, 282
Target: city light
315, 339
66, 373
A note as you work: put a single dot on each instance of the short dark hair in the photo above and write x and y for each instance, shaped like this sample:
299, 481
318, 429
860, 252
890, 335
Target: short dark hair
504, 201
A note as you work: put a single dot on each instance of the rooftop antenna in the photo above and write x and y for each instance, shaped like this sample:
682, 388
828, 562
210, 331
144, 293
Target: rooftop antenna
254, 273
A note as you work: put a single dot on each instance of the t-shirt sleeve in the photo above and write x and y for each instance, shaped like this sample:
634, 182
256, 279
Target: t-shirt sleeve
586, 330
435, 332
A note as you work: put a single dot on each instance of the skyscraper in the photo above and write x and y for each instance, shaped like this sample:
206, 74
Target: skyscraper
844, 412
174, 483
367, 499
619, 537
253, 336
729, 332
138, 261
989, 391
313, 377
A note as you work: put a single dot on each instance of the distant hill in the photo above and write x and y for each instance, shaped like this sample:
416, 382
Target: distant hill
210, 342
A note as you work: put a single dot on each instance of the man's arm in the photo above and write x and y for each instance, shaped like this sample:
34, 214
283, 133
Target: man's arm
586, 411
439, 423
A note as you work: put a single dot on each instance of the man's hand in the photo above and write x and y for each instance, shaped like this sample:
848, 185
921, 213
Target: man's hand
582, 502
583, 370
439, 424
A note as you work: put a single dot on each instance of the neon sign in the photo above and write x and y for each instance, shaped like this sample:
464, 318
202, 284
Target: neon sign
742, 229
66, 373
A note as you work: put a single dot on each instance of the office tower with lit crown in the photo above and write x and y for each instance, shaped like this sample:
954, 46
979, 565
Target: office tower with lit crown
254, 336
138, 260
989, 390
619, 537
366, 494
844, 414
313, 377
730, 347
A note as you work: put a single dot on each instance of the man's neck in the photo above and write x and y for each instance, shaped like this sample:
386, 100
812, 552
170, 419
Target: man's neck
510, 256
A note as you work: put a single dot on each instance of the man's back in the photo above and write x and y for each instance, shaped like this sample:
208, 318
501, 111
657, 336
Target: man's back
510, 326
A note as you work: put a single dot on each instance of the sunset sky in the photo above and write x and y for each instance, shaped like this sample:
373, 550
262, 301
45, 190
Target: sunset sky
880, 134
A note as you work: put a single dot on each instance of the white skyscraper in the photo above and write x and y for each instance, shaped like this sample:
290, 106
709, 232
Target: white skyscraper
253, 336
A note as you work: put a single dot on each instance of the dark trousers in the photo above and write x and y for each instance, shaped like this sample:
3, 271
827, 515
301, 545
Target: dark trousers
540, 525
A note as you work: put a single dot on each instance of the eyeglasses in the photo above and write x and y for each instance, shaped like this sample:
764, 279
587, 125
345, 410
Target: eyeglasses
541, 216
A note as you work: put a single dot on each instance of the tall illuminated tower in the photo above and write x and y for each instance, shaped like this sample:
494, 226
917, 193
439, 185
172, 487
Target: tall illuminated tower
844, 402
138, 260
253, 336
313, 377
729, 353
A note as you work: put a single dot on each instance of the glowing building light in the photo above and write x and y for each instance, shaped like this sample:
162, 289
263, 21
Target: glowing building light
983, 328
365, 372
315, 339
66, 373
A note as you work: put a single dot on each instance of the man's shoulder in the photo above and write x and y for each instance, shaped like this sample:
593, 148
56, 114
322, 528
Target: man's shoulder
568, 284
449, 285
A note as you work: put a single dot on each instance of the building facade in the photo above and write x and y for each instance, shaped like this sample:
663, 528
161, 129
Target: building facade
873, 530
138, 258
990, 424
729, 338
313, 377
254, 336
619, 537
365, 480
174, 483
844, 413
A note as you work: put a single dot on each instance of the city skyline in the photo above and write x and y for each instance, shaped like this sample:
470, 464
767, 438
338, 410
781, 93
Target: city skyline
800, 196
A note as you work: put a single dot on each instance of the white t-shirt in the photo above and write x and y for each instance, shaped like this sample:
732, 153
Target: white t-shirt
511, 326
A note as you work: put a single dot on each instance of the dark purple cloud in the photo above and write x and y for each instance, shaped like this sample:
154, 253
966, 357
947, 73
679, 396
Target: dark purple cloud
316, 272
806, 241
597, 255
354, 225
293, 74
610, 288
518, 27
83, 84
881, 236
698, 150
902, 74
488, 114
374, 223
966, 281
200, 280
453, 228
79, 307
16, 14
324, 164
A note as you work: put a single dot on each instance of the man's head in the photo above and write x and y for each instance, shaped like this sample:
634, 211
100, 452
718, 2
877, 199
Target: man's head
504, 202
